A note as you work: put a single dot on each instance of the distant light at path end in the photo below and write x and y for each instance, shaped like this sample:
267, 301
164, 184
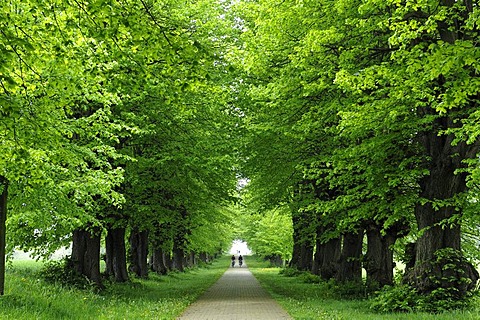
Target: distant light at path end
239, 245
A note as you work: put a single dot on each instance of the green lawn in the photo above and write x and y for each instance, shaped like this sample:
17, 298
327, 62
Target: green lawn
165, 297
319, 301
159, 297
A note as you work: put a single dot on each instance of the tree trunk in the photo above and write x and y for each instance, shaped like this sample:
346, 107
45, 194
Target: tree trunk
432, 269
326, 257
162, 247
275, 260
302, 257
86, 254
306, 256
178, 255
438, 259
158, 261
303, 240
350, 266
378, 261
182, 230
317, 256
203, 257
3, 230
167, 256
331, 256
192, 259
139, 253
116, 256
295, 261
439, 263
325, 260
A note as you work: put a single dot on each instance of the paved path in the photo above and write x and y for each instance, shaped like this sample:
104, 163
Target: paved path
237, 295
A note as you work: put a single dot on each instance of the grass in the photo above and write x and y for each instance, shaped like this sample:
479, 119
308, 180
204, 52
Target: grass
159, 297
322, 300
165, 297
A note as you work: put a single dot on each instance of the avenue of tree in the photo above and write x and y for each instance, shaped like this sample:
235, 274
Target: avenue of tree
128, 124
116, 124
362, 122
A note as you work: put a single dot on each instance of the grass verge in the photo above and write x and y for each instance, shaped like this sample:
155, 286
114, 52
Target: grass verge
323, 301
159, 297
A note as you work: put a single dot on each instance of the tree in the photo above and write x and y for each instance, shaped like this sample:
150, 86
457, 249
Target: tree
452, 103
435, 153
335, 79
37, 88
268, 234
3, 217
182, 169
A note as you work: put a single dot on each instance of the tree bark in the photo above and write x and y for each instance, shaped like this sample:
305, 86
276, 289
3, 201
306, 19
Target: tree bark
303, 239
162, 246
317, 256
138, 254
203, 257
438, 262
86, 254
116, 256
167, 256
178, 255
192, 259
430, 270
442, 184
331, 256
350, 266
306, 254
158, 261
327, 252
182, 230
327, 255
3, 230
378, 261
275, 260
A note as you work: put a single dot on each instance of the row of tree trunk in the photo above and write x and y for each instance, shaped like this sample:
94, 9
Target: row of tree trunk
342, 258
139, 259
